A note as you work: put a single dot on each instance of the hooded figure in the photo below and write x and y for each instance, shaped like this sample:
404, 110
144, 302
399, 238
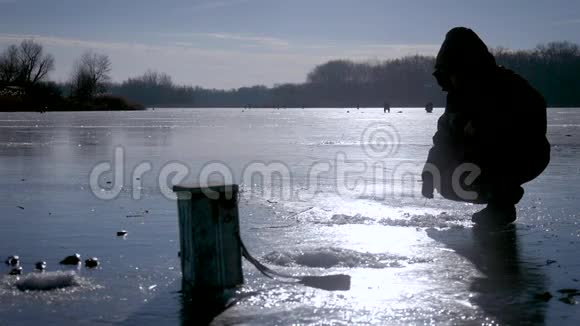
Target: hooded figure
491, 138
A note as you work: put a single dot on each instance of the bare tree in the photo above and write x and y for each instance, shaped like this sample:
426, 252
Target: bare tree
153, 79
9, 65
25, 64
90, 75
35, 65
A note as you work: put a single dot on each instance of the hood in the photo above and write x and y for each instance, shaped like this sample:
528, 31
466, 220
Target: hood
464, 51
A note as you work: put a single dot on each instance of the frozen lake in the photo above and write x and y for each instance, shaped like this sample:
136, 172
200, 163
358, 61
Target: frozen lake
339, 203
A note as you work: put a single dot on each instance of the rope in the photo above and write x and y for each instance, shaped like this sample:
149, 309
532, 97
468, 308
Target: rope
261, 267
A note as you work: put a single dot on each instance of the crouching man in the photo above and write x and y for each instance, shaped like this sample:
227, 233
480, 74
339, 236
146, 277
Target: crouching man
491, 138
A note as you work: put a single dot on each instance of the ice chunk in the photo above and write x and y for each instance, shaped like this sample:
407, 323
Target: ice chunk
337, 257
47, 281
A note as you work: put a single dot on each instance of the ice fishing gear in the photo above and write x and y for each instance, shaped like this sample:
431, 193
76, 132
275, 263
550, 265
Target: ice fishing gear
336, 282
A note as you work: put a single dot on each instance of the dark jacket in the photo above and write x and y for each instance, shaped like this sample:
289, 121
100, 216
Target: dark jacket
497, 123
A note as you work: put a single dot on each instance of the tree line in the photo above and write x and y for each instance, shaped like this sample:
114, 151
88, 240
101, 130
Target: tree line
553, 68
341, 83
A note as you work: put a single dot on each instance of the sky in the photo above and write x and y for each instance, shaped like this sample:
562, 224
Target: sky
234, 43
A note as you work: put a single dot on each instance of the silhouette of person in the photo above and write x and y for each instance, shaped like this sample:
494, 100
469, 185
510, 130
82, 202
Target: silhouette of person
387, 108
494, 123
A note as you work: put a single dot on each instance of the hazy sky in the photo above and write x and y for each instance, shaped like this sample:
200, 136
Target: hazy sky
232, 43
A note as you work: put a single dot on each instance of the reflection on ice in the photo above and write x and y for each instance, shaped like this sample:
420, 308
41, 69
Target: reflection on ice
506, 289
331, 210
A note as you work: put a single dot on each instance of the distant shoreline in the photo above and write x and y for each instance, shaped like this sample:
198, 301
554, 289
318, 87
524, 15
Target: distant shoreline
320, 107
240, 108
61, 104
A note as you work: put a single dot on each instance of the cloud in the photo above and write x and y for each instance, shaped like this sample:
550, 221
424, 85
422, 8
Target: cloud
209, 67
213, 4
193, 64
59, 41
389, 51
277, 44
567, 22
271, 42
347, 51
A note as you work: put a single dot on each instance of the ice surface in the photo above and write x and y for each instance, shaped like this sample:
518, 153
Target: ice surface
461, 277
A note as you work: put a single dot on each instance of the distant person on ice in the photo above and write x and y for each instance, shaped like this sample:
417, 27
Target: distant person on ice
494, 124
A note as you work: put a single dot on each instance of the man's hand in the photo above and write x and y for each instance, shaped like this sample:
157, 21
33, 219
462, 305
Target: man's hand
427, 189
427, 192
